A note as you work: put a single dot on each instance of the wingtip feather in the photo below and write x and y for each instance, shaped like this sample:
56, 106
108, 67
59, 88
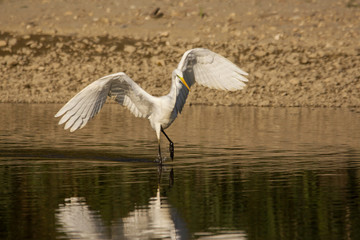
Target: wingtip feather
62, 120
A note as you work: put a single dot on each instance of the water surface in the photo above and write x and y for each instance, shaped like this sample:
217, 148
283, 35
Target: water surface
238, 173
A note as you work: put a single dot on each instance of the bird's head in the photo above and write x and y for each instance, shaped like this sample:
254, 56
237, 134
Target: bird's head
179, 77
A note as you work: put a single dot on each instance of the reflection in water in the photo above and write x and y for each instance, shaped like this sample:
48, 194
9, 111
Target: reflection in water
157, 220
154, 221
78, 221
272, 173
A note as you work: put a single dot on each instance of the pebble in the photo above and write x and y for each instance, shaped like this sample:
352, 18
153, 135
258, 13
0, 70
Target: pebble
259, 53
12, 42
293, 58
304, 59
258, 75
129, 49
112, 48
294, 81
10, 61
3, 43
99, 48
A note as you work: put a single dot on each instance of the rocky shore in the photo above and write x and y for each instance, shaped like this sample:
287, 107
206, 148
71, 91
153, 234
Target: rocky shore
306, 56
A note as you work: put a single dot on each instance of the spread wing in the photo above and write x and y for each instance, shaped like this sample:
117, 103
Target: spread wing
208, 69
89, 101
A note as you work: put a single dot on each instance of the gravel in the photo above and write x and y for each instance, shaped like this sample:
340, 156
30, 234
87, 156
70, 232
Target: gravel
303, 54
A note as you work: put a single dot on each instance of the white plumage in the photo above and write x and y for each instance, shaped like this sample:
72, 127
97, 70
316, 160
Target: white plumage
197, 65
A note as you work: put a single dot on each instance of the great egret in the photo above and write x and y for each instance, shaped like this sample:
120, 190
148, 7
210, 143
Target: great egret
196, 65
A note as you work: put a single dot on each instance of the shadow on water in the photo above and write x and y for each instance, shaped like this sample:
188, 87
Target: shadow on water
80, 155
251, 174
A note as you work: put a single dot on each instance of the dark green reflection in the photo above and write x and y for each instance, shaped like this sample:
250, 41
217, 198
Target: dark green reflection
269, 174
299, 205
308, 204
32, 191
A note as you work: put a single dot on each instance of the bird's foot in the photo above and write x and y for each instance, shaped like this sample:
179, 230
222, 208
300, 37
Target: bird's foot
171, 149
160, 160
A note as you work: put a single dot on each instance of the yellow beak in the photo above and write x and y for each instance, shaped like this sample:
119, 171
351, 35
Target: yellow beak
183, 81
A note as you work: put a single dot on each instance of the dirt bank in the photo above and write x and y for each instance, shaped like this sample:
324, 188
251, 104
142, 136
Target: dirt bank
298, 53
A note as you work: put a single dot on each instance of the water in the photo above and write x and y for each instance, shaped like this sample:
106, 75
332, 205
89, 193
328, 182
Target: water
238, 173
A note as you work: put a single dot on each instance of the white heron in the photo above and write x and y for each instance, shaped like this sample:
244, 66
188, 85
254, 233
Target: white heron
196, 65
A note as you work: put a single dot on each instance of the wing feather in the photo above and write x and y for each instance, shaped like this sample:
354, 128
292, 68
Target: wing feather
87, 115
73, 109
89, 101
208, 69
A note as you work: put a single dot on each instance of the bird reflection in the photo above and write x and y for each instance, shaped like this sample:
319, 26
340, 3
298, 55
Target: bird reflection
161, 169
157, 220
78, 221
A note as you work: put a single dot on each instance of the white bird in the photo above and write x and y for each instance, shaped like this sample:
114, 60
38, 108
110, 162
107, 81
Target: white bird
196, 65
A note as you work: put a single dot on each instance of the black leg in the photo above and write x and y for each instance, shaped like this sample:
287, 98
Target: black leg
171, 146
171, 149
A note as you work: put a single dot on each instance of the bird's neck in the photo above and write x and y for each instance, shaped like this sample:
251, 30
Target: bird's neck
173, 92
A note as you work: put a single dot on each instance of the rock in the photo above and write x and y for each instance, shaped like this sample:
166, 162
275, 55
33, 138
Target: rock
11, 60
271, 49
56, 65
113, 48
164, 34
304, 59
3, 43
258, 75
259, 53
312, 55
99, 48
12, 42
231, 16
278, 36
129, 49
319, 88
156, 13
293, 58
157, 61
294, 81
